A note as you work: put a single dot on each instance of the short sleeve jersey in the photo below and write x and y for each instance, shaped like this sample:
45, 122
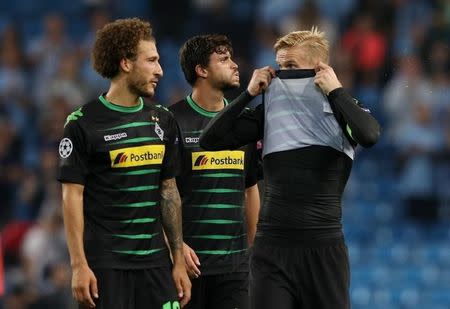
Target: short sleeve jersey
120, 155
212, 186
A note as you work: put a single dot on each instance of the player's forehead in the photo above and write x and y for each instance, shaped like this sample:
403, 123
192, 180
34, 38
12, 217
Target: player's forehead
147, 49
289, 54
220, 52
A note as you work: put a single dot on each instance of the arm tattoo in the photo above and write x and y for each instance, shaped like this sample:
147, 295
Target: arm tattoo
171, 214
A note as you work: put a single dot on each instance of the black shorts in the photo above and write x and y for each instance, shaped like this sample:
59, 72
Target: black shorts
288, 276
137, 288
225, 291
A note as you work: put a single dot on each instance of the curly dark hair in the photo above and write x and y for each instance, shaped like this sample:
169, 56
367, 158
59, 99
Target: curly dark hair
117, 40
197, 51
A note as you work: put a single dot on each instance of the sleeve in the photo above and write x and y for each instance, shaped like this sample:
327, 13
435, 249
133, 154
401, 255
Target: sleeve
73, 154
251, 165
171, 162
359, 125
235, 126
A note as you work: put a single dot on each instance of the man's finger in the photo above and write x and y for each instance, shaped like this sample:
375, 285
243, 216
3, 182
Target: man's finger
272, 72
191, 264
195, 257
76, 295
179, 289
321, 65
87, 299
187, 293
94, 289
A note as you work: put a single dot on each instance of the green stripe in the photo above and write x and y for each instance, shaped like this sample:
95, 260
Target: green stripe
120, 108
135, 140
349, 131
218, 175
193, 132
140, 204
200, 110
138, 252
139, 172
140, 188
218, 252
218, 237
131, 125
217, 206
218, 190
139, 220
216, 221
136, 236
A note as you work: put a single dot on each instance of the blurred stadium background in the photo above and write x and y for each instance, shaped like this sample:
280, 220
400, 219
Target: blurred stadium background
393, 55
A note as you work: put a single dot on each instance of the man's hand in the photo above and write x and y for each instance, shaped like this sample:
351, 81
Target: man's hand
182, 283
84, 285
260, 80
192, 261
326, 79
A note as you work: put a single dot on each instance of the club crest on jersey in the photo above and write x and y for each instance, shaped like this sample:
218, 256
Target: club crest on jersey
159, 131
216, 160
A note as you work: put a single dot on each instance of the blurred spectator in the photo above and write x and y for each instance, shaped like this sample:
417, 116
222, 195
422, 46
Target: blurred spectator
418, 141
45, 53
13, 80
307, 16
408, 84
67, 82
43, 246
366, 45
11, 168
96, 84
412, 18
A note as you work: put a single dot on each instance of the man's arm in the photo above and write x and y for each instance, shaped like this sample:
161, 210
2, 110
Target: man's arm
171, 221
84, 283
252, 204
362, 127
234, 127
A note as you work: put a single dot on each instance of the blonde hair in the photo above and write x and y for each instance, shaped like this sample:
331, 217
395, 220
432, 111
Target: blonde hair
313, 42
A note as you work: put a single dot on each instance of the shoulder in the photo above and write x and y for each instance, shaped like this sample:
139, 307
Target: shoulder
178, 106
82, 113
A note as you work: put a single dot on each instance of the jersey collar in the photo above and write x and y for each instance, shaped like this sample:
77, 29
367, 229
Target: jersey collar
122, 109
201, 110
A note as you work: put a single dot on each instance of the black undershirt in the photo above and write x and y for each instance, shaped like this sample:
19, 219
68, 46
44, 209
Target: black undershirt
303, 187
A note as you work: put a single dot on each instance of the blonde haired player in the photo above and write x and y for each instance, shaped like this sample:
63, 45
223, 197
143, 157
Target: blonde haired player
310, 126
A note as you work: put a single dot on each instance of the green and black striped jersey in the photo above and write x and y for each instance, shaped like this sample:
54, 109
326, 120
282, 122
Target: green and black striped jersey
120, 155
212, 187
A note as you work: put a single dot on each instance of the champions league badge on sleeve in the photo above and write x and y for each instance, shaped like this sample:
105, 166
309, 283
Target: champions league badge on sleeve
65, 148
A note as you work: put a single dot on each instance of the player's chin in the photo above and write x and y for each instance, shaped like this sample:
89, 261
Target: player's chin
149, 91
235, 83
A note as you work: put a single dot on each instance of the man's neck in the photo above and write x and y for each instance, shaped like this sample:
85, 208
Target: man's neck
119, 94
208, 98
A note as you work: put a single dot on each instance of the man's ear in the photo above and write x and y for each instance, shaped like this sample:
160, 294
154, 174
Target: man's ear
126, 65
201, 71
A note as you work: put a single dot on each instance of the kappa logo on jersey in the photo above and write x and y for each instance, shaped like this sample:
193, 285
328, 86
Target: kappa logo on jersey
65, 148
191, 140
137, 156
215, 160
114, 137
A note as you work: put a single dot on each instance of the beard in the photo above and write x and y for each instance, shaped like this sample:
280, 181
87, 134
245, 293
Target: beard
139, 88
225, 85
